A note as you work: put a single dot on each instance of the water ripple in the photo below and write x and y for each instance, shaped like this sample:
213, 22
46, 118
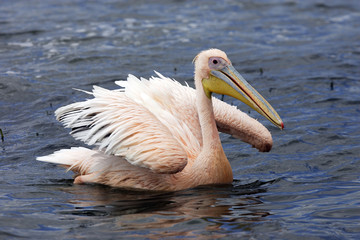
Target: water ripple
303, 56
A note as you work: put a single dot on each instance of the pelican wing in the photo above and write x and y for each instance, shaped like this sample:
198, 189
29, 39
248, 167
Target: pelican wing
232, 121
152, 123
121, 127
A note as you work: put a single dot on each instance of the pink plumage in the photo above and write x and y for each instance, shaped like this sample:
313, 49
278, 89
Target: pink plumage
155, 134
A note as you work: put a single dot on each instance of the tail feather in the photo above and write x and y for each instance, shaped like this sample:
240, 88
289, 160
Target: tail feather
75, 159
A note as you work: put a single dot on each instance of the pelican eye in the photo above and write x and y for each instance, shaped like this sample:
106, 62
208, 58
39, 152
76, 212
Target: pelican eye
217, 63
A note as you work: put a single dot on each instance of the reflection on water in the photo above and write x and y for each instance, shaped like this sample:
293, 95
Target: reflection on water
215, 208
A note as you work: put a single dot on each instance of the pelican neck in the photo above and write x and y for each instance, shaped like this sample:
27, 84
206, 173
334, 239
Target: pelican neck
209, 132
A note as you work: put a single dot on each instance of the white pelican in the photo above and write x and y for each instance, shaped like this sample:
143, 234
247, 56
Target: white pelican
157, 134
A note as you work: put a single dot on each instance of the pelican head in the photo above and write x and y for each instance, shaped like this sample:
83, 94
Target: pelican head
217, 75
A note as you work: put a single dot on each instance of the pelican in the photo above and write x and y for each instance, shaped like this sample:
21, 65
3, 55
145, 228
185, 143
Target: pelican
160, 135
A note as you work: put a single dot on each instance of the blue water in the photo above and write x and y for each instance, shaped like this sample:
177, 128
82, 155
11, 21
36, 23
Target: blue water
303, 56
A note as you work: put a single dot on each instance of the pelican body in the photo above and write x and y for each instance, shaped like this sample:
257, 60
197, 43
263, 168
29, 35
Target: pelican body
159, 135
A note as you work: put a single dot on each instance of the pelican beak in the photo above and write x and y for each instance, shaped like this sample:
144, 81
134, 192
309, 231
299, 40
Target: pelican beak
229, 82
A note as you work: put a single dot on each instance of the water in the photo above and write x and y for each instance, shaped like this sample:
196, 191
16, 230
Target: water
303, 56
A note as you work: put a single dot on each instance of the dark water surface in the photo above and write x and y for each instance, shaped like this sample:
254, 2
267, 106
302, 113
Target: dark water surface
303, 56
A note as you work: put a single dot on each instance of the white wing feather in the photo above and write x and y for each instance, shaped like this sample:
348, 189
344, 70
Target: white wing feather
136, 124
